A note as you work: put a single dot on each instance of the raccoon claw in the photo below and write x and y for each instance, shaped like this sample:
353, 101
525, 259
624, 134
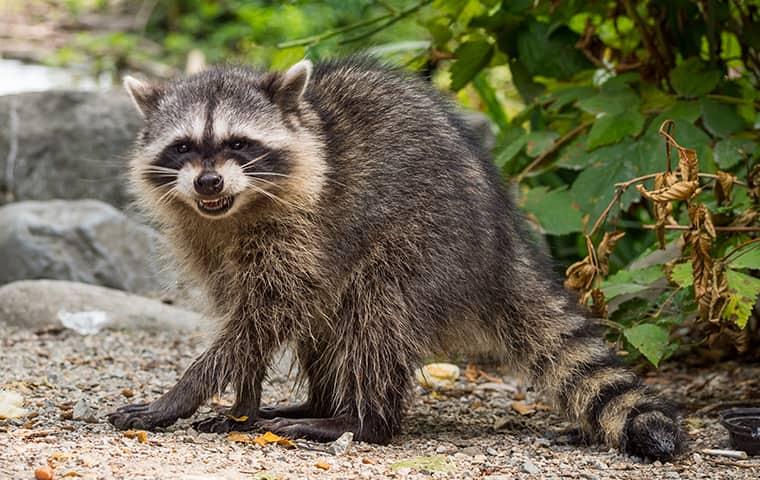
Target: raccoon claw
224, 424
142, 416
317, 429
654, 435
290, 411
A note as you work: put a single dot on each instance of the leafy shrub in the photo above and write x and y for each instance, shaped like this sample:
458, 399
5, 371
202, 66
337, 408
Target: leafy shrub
589, 101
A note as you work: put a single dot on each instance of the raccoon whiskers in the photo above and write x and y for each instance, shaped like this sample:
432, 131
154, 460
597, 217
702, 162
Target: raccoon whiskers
169, 194
251, 162
274, 174
160, 170
275, 197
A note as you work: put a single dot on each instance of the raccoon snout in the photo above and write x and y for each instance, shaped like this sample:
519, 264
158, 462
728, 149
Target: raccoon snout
209, 183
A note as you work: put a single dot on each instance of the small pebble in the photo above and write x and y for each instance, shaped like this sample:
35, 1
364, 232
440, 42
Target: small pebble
44, 473
82, 412
472, 451
531, 468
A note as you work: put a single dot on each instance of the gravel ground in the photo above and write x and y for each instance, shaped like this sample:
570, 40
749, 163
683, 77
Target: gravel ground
472, 430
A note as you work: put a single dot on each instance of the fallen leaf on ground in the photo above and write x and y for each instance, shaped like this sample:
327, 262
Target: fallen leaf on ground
435, 463
269, 437
11, 405
322, 465
140, 435
239, 437
523, 408
242, 419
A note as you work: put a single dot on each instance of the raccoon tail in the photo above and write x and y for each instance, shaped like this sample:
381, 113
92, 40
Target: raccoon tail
571, 362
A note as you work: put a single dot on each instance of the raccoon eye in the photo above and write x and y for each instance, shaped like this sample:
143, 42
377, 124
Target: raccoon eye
182, 148
237, 145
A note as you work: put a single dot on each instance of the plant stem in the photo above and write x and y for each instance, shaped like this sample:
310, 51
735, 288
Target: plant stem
717, 229
331, 33
551, 150
393, 19
738, 248
388, 18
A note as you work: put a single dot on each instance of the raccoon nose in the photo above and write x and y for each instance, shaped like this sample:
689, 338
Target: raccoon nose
209, 183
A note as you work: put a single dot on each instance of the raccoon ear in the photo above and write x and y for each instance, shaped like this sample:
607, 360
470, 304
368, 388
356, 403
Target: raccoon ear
293, 83
145, 95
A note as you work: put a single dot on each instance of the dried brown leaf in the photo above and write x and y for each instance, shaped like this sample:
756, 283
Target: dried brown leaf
682, 190
604, 250
688, 164
599, 304
753, 180
269, 437
523, 408
140, 435
724, 184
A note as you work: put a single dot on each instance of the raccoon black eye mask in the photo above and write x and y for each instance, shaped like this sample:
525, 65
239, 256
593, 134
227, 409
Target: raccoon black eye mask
369, 229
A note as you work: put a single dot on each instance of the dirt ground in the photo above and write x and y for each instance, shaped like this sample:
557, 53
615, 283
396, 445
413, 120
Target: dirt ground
472, 430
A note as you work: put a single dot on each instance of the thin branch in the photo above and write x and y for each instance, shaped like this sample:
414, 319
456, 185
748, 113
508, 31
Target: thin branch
717, 229
393, 19
739, 248
331, 33
555, 146
388, 18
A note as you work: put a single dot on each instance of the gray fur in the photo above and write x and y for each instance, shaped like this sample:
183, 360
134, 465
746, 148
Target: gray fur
384, 235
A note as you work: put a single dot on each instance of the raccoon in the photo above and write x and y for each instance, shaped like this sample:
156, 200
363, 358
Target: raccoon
345, 208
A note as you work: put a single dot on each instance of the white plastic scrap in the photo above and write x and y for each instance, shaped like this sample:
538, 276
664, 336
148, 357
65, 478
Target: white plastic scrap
84, 323
11, 405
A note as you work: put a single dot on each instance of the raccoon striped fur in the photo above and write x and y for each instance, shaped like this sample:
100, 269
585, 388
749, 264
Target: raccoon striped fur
347, 209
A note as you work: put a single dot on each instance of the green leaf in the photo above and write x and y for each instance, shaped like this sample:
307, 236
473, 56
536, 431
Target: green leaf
694, 78
493, 106
609, 129
651, 340
595, 185
523, 81
568, 95
540, 141
574, 156
689, 136
549, 53
514, 141
721, 119
745, 290
612, 102
631, 281
747, 257
731, 151
554, 210
682, 275
472, 57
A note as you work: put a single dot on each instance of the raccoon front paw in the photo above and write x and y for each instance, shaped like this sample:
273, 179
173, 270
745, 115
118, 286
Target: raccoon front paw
654, 435
224, 424
142, 416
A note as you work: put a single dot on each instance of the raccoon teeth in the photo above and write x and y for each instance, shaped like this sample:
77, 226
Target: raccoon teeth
216, 205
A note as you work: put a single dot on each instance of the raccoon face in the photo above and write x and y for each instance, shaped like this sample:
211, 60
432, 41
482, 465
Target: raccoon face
226, 138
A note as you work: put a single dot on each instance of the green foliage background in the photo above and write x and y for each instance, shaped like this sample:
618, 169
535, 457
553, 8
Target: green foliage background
576, 92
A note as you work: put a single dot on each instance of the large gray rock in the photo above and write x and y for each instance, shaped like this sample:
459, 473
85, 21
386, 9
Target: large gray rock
41, 303
80, 240
69, 145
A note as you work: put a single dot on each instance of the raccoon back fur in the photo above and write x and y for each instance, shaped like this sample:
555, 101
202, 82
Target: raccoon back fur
347, 209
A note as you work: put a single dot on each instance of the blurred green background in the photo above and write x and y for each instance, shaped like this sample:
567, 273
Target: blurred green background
574, 92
